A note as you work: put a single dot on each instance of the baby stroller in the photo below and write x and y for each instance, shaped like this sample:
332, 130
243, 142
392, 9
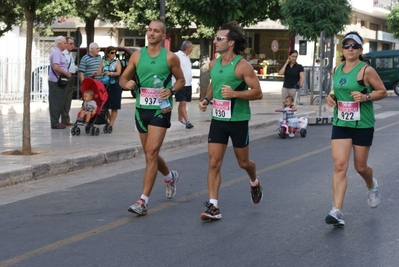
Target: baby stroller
101, 116
300, 126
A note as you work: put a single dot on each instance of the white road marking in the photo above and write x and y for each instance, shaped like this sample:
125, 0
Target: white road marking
386, 114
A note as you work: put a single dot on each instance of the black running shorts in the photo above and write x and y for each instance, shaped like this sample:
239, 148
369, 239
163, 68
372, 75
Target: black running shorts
238, 131
360, 137
154, 117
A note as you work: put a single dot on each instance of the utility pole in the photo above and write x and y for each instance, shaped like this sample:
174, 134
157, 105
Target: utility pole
162, 14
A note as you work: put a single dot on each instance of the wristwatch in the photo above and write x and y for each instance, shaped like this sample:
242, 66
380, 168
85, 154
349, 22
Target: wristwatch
173, 90
368, 97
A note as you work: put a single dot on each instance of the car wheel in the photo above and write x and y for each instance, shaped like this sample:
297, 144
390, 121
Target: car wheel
396, 88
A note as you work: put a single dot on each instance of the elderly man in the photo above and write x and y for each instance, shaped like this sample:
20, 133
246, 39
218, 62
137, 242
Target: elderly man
89, 63
66, 105
58, 67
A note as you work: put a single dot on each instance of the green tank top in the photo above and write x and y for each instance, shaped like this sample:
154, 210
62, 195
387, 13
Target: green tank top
346, 112
149, 66
234, 109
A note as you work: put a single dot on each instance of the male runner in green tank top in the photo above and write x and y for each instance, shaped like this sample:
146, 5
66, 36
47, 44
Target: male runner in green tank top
151, 122
233, 84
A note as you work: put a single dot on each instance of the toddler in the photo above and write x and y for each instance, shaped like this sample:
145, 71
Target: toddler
89, 107
292, 119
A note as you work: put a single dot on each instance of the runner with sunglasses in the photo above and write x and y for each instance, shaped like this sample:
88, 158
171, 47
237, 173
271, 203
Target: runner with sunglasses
233, 85
353, 123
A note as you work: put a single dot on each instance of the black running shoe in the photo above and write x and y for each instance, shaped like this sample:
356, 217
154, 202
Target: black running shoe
212, 213
256, 193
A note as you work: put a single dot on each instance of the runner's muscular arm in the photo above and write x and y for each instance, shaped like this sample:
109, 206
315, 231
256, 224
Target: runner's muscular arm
244, 71
126, 81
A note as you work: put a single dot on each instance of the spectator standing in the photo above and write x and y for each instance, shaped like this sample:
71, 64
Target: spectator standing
294, 75
88, 65
184, 95
58, 67
233, 84
110, 69
356, 86
151, 122
66, 107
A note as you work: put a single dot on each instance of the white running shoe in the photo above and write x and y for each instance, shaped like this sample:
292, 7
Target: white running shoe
335, 217
373, 197
140, 207
171, 185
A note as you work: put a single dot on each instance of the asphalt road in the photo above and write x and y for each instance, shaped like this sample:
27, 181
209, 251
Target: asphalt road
82, 220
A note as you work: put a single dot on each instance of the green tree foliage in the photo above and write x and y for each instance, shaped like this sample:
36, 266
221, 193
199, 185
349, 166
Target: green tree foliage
10, 14
140, 13
393, 21
214, 13
309, 18
90, 11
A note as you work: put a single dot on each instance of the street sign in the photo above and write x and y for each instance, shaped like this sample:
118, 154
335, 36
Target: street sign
274, 46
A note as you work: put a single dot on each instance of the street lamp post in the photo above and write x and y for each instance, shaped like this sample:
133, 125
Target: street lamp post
162, 14
162, 10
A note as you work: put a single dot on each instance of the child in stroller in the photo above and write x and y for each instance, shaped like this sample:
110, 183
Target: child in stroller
97, 116
89, 108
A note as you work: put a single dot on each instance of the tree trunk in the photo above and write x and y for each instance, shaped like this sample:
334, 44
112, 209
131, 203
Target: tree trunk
30, 12
89, 31
204, 66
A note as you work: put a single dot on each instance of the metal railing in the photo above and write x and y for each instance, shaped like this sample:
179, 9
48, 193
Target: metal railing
12, 79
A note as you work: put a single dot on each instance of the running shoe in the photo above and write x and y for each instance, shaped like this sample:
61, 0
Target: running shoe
140, 207
189, 125
291, 135
256, 193
373, 197
335, 217
171, 185
212, 213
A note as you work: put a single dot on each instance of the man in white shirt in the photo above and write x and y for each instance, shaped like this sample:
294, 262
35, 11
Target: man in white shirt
184, 95
66, 104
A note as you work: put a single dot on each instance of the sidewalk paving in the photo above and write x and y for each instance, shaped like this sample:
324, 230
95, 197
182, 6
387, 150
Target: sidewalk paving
58, 152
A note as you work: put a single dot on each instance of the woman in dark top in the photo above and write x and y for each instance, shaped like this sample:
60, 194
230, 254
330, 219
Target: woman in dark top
294, 75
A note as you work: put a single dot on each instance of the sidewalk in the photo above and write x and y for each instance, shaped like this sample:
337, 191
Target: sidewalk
58, 152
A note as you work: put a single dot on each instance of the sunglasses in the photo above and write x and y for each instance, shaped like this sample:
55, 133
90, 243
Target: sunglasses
112, 53
220, 38
354, 46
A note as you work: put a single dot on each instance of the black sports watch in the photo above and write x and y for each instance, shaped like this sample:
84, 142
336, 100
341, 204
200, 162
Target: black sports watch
368, 97
173, 90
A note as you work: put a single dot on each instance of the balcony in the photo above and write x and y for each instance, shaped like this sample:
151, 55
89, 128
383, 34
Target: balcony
385, 4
